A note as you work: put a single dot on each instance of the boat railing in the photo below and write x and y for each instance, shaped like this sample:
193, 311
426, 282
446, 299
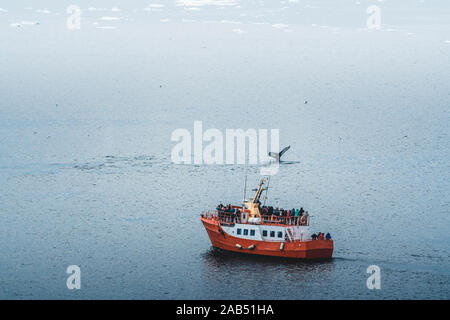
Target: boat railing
224, 217
210, 214
232, 217
290, 221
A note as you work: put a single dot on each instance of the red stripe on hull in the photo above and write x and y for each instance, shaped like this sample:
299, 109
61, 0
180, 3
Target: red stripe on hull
315, 249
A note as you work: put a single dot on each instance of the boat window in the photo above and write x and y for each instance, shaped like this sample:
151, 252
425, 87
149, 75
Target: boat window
280, 234
245, 232
272, 234
264, 233
252, 232
239, 231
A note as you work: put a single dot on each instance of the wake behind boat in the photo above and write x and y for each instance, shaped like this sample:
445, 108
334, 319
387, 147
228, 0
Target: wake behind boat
255, 229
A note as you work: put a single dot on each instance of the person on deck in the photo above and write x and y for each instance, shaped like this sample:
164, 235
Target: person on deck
328, 236
305, 219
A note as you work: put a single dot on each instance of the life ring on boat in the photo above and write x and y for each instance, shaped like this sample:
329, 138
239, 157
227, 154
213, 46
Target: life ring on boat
303, 220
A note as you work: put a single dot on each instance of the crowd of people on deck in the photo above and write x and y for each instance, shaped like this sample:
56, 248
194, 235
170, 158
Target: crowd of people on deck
271, 215
321, 236
228, 213
279, 215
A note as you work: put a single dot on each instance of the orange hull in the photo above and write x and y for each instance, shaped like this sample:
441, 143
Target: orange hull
315, 249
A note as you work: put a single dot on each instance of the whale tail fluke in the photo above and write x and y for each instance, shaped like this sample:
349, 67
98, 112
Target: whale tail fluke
277, 155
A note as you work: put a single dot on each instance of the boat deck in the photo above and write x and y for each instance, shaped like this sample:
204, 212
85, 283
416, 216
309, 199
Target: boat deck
229, 218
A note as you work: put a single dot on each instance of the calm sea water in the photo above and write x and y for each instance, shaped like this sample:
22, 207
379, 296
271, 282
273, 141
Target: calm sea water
87, 179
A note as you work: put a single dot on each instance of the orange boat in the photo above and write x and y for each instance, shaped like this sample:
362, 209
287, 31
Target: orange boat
251, 229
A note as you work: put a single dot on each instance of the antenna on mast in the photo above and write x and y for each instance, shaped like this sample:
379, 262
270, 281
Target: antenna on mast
245, 186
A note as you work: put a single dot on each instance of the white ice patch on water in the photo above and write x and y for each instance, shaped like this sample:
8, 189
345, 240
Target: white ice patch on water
230, 21
96, 9
24, 23
154, 7
45, 11
199, 3
109, 18
238, 31
3, 10
280, 25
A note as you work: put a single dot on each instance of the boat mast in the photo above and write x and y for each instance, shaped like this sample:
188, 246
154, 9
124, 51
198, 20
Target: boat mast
245, 187
258, 191
253, 203
267, 189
